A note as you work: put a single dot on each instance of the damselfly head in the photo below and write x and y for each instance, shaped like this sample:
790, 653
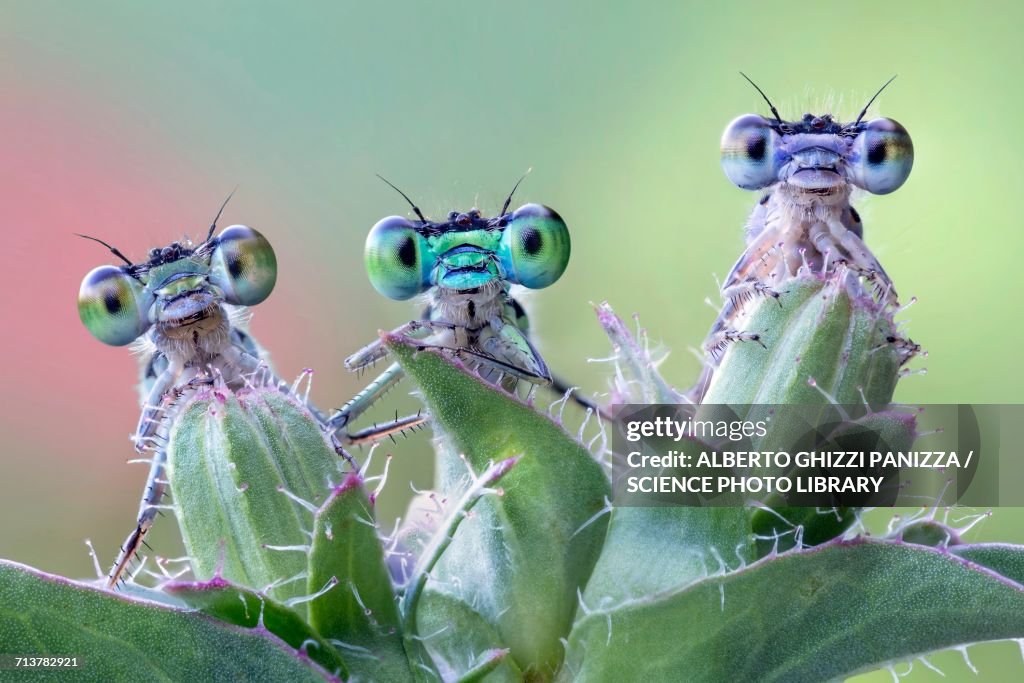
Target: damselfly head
817, 154
178, 286
529, 246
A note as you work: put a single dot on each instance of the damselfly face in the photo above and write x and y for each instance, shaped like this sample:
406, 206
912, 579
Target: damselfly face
529, 247
180, 289
817, 154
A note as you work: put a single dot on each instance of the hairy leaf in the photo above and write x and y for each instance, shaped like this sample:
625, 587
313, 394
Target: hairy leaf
521, 558
359, 613
455, 657
249, 609
120, 639
1002, 558
816, 329
651, 550
808, 615
232, 457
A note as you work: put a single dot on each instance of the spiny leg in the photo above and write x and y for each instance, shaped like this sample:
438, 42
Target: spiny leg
714, 348
366, 356
719, 340
362, 401
164, 394
739, 295
847, 249
492, 366
375, 350
905, 346
379, 432
722, 334
763, 259
152, 496
161, 397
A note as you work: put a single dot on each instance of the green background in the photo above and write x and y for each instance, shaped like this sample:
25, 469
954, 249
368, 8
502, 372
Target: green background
132, 121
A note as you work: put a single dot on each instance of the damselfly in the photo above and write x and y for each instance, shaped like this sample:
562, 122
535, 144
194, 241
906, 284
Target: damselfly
465, 265
182, 311
806, 170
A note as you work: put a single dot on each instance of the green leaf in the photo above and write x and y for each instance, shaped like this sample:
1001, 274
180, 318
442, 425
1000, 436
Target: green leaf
122, 639
231, 458
1002, 558
811, 615
521, 557
651, 550
249, 609
359, 613
781, 528
431, 554
484, 666
926, 532
815, 329
455, 657
776, 529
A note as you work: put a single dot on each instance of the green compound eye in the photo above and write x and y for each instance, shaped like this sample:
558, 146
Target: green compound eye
243, 265
398, 259
113, 306
535, 247
748, 152
885, 156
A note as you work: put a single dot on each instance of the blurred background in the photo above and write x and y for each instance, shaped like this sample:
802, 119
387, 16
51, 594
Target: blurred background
132, 122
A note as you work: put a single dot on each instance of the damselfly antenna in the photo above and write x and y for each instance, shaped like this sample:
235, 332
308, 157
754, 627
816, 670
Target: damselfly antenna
213, 225
771, 106
508, 201
415, 208
865, 109
113, 250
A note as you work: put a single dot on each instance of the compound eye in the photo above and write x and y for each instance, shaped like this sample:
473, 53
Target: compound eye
883, 156
243, 265
113, 306
748, 152
535, 246
398, 259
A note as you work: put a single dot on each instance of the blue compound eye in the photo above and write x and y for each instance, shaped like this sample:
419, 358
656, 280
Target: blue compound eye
243, 265
883, 156
398, 259
535, 247
748, 152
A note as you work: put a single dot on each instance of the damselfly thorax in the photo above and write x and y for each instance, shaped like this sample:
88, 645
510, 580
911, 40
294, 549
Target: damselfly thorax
493, 328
